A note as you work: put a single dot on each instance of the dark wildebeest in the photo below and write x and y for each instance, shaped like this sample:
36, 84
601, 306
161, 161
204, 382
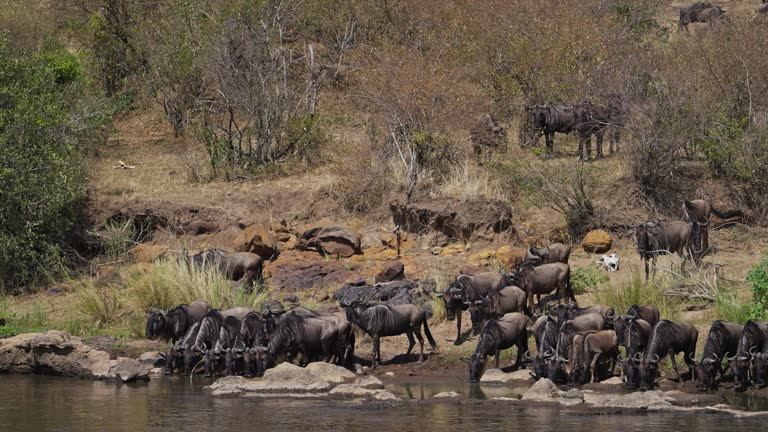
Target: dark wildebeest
208, 333
547, 120
592, 120
382, 320
647, 313
569, 311
486, 133
698, 213
497, 335
463, 291
543, 279
545, 333
313, 338
668, 338
236, 266
554, 253
723, 340
174, 359
556, 365
586, 351
496, 304
252, 334
700, 12
657, 238
228, 333
173, 325
753, 340
636, 334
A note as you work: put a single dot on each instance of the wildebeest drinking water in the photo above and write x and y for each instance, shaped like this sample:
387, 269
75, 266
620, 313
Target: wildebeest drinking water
545, 333
668, 338
753, 340
496, 336
723, 339
635, 336
237, 266
173, 324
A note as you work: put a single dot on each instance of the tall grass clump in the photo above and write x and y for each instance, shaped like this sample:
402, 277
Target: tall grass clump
172, 281
637, 291
728, 307
103, 306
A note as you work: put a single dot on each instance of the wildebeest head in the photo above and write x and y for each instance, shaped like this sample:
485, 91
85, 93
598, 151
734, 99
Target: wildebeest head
760, 370
641, 233
649, 371
564, 312
453, 299
155, 323
256, 361
631, 369
740, 365
706, 373
556, 368
174, 359
233, 359
192, 355
477, 364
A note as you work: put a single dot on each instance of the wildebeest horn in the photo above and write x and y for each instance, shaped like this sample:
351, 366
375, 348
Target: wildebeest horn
548, 353
637, 357
611, 315
655, 358
692, 357
549, 305
631, 313
730, 359
478, 302
752, 350
528, 355
621, 358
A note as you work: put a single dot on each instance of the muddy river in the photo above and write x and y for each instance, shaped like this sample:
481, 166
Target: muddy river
37, 403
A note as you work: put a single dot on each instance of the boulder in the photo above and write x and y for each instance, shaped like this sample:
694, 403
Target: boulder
58, 353
258, 239
355, 392
152, 359
543, 390
369, 382
643, 400
447, 395
330, 373
296, 271
571, 397
392, 271
613, 381
333, 240
597, 241
496, 376
147, 253
397, 292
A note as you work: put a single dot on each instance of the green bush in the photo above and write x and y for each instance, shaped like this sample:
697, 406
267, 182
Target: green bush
758, 277
586, 279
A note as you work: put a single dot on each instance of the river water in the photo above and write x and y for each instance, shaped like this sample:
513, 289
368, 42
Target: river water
36, 403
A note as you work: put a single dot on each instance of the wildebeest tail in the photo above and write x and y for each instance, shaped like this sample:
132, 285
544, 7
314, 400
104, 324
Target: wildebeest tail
429, 335
726, 214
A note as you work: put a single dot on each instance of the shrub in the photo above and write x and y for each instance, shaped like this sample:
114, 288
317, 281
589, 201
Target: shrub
758, 277
637, 291
727, 307
100, 305
586, 279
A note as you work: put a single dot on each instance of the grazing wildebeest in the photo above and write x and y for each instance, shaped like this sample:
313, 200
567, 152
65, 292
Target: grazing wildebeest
237, 266
313, 338
173, 325
586, 351
382, 320
543, 279
547, 120
497, 335
668, 338
569, 311
554, 253
175, 358
657, 238
252, 334
545, 333
486, 133
464, 290
700, 12
647, 313
753, 340
495, 304
698, 213
636, 335
723, 339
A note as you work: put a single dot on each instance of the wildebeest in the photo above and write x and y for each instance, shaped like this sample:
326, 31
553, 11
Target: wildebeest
657, 238
668, 338
237, 266
556, 365
636, 335
592, 120
174, 359
208, 333
753, 340
648, 313
570, 310
723, 339
252, 334
464, 290
700, 12
543, 279
173, 325
382, 320
698, 213
547, 120
545, 333
586, 351
497, 335
495, 304
553, 253
228, 333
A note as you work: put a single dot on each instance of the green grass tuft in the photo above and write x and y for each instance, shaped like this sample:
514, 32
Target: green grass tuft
637, 291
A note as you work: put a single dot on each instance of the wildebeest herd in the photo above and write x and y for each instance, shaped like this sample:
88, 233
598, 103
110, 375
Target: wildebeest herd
574, 345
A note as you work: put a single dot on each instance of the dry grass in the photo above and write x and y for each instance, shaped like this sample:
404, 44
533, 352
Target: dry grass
469, 181
638, 291
102, 306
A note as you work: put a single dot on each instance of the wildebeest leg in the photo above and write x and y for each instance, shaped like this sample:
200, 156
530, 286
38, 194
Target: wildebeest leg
581, 147
497, 354
599, 148
458, 328
376, 340
592, 367
645, 261
674, 366
411, 341
417, 331
550, 138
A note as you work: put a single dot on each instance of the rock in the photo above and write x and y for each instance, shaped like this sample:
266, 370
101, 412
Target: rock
353, 391
571, 397
597, 241
392, 271
334, 241
58, 353
298, 271
763, 9
330, 373
509, 256
452, 249
483, 258
292, 298
447, 395
397, 292
147, 253
613, 381
390, 374
648, 399
495, 376
258, 239
54, 291
369, 382
543, 390
468, 220
152, 359
437, 250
